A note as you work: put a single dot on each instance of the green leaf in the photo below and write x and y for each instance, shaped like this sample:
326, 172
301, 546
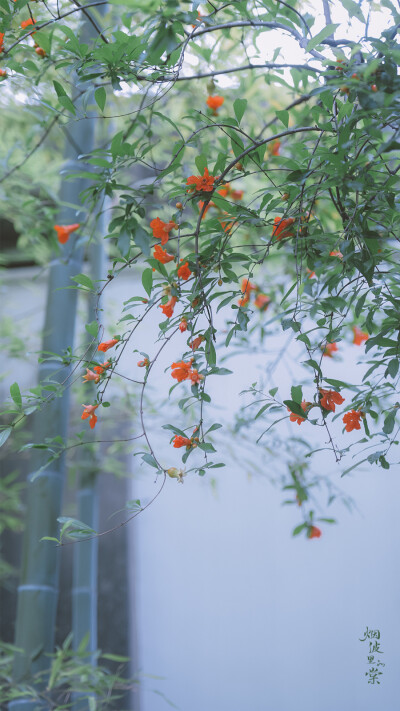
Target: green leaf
141, 239
4, 435
315, 41
353, 9
92, 328
16, 394
283, 116
124, 242
389, 422
295, 407
100, 96
60, 91
299, 529
393, 367
150, 460
239, 107
83, 280
147, 280
201, 163
297, 393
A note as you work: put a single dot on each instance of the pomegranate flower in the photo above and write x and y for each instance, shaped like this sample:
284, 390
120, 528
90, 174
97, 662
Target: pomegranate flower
89, 412
162, 229
214, 103
168, 308
314, 532
64, 231
180, 441
359, 336
1, 42
201, 182
262, 301
298, 418
181, 370
329, 349
101, 368
106, 345
352, 420
281, 228
162, 255
90, 375
184, 271
330, 398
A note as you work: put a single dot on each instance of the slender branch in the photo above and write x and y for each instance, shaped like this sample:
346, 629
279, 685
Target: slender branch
33, 150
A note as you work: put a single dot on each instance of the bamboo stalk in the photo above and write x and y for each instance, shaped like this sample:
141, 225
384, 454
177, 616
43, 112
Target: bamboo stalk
38, 589
85, 565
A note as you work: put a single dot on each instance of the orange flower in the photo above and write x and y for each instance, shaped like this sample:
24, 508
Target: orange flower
1, 42
26, 23
329, 349
168, 308
335, 253
100, 368
183, 325
275, 146
180, 441
184, 271
195, 376
40, 51
246, 288
330, 398
107, 344
237, 194
89, 412
201, 182
214, 102
262, 301
280, 228
196, 343
64, 231
144, 363
298, 418
3, 73
352, 420
161, 255
225, 190
314, 532
359, 336
311, 274
206, 209
90, 375
181, 370
227, 226
162, 229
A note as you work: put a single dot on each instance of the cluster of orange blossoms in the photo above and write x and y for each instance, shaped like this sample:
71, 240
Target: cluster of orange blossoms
328, 400
94, 375
281, 225
262, 301
144, 363
183, 371
214, 103
64, 231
